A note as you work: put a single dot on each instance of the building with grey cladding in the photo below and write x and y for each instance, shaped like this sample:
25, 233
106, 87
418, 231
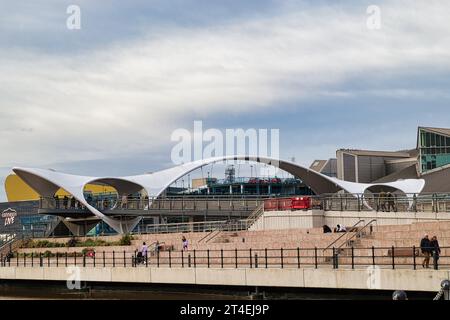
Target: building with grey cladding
429, 160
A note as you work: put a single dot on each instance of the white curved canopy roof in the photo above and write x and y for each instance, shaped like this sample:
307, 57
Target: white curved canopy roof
48, 182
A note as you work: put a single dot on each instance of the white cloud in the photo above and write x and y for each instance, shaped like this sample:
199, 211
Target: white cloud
129, 96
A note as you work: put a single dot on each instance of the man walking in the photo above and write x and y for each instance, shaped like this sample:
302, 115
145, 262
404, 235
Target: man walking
425, 247
436, 251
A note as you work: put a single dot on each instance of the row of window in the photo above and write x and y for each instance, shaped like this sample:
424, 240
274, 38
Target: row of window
434, 150
429, 139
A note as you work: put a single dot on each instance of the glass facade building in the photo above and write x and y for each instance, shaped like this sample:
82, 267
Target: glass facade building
434, 147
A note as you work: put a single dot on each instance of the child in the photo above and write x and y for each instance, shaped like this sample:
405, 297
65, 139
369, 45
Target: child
185, 243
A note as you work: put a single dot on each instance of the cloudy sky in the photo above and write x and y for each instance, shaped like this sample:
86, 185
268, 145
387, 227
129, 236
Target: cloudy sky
105, 99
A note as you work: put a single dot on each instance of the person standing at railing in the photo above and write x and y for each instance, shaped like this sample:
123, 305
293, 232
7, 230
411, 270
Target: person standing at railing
382, 201
124, 201
56, 201
390, 202
72, 202
106, 204
436, 251
146, 203
65, 202
425, 247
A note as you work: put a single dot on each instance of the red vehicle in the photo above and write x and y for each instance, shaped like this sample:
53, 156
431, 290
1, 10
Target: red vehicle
288, 204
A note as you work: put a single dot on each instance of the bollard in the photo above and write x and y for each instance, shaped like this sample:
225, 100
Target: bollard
445, 285
195, 261
265, 257
399, 295
182, 258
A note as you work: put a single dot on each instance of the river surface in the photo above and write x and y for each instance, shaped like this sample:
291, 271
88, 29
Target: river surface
29, 290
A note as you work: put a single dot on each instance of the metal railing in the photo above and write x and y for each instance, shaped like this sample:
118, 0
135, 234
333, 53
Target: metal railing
351, 258
212, 203
327, 202
358, 234
382, 202
345, 234
206, 226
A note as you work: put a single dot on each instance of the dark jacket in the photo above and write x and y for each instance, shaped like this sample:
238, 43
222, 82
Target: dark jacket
425, 245
434, 244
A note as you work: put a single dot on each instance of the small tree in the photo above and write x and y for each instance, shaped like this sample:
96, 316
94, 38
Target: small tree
125, 240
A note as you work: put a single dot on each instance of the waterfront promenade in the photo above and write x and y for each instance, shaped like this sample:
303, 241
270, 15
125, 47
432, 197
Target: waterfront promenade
325, 278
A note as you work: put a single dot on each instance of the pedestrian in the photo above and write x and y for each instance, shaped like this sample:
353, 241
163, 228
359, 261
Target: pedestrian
142, 254
56, 201
383, 201
124, 204
65, 202
436, 251
105, 204
390, 202
72, 202
326, 229
425, 247
185, 243
146, 203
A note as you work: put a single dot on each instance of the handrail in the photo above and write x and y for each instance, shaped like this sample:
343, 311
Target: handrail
255, 215
357, 233
343, 235
9, 239
424, 202
218, 228
219, 231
